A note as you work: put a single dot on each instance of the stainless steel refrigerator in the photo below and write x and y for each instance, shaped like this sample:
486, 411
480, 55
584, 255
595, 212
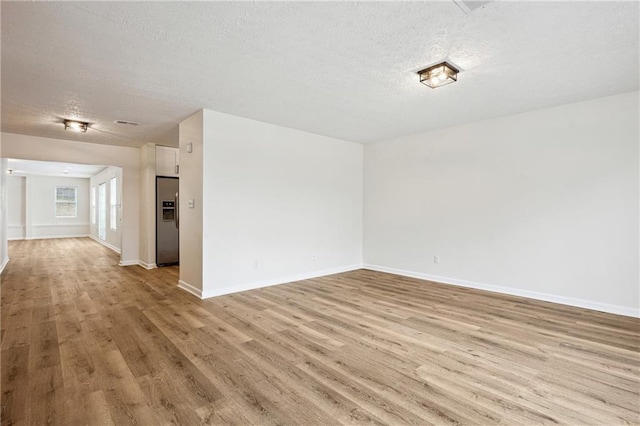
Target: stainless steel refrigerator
167, 221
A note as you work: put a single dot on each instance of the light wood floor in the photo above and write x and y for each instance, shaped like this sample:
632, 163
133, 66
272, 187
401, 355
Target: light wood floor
85, 341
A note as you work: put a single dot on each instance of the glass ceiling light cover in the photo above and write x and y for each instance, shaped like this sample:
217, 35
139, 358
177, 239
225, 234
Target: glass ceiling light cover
438, 75
75, 126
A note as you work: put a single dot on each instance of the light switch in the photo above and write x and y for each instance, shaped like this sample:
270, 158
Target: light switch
190, 204
189, 147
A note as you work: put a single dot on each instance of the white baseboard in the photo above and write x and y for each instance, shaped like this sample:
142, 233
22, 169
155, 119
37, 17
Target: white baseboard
146, 265
563, 300
54, 237
190, 289
46, 231
277, 281
15, 232
4, 264
140, 263
104, 243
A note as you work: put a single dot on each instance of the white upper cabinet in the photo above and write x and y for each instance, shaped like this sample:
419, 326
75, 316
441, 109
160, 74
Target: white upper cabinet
167, 161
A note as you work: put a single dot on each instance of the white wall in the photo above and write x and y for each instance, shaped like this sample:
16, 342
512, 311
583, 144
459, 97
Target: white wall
112, 238
191, 218
16, 207
148, 206
4, 253
279, 204
46, 149
542, 204
31, 208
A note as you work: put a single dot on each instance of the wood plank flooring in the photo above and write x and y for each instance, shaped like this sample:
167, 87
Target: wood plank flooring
85, 341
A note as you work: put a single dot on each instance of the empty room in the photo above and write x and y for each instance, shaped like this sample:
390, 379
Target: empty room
319, 213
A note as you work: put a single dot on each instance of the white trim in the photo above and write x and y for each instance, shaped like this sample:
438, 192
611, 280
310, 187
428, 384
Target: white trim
104, 243
60, 225
277, 281
146, 265
139, 263
15, 232
563, 300
4, 264
53, 237
45, 231
190, 289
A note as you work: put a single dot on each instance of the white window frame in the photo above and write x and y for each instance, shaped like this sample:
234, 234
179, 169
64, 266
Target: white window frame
75, 201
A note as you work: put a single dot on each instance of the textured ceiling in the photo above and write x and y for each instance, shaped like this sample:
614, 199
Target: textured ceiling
345, 70
51, 168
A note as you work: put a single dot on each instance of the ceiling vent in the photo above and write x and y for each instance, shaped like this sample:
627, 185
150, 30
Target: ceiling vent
468, 6
130, 123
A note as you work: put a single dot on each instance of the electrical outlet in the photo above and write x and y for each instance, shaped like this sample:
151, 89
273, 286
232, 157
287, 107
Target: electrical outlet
254, 264
436, 259
314, 257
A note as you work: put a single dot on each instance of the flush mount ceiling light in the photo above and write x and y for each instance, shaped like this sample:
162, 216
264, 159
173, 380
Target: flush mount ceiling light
75, 126
438, 75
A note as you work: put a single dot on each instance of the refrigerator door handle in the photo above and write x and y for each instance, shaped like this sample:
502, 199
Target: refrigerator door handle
177, 215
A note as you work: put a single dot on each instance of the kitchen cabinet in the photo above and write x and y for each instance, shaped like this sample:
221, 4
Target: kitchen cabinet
167, 161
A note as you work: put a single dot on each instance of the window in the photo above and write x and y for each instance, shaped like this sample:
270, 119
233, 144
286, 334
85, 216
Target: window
66, 201
113, 204
93, 205
102, 211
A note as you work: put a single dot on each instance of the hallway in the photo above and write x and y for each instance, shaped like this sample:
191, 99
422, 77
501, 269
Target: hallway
64, 305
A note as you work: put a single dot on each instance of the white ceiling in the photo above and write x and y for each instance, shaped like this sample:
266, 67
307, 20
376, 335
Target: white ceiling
345, 70
51, 168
